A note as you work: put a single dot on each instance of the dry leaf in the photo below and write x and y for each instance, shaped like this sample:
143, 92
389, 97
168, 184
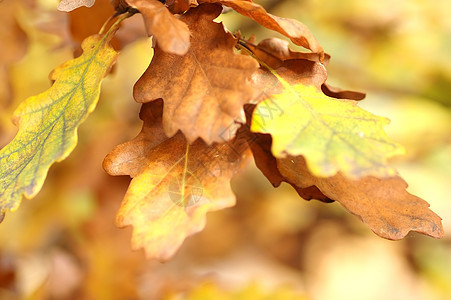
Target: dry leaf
281, 49
295, 71
274, 52
174, 183
384, 205
295, 30
260, 145
341, 94
170, 34
204, 90
180, 6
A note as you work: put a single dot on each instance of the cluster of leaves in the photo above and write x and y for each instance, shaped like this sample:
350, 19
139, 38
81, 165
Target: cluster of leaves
211, 101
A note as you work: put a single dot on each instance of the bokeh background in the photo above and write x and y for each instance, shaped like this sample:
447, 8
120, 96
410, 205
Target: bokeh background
63, 244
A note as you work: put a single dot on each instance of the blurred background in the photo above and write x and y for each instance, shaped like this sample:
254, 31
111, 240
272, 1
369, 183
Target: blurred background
63, 244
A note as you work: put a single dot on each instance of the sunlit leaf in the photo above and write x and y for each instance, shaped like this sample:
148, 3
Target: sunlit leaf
383, 204
174, 183
332, 134
170, 34
180, 6
296, 71
48, 122
295, 30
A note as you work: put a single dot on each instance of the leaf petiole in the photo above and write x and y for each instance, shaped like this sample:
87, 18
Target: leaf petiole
120, 18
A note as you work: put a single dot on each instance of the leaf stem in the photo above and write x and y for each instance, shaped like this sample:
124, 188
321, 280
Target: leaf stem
115, 25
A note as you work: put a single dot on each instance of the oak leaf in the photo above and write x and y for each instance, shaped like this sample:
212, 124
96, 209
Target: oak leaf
383, 204
171, 34
332, 134
174, 183
275, 53
69, 5
281, 49
294, 68
180, 6
48, 122
204, 90
293, 29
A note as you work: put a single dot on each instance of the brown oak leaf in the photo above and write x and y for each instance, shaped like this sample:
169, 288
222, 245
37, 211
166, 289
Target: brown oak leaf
341, 94
204, 90
174, 183
171, 34
383, 204
286, 64
180, 6
293, 29
274, 52
294, 71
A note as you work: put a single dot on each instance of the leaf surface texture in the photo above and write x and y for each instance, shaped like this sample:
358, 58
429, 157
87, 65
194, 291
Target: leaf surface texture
48, 122
174, 183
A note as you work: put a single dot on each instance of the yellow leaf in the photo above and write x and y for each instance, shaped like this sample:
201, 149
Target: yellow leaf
174, 183
48, 122
332, 134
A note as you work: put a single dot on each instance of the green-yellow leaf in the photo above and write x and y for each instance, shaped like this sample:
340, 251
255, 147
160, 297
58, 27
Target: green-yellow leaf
48, 122
332, 134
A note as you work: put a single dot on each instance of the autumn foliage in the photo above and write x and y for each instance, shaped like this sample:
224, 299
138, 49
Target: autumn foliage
213, 100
